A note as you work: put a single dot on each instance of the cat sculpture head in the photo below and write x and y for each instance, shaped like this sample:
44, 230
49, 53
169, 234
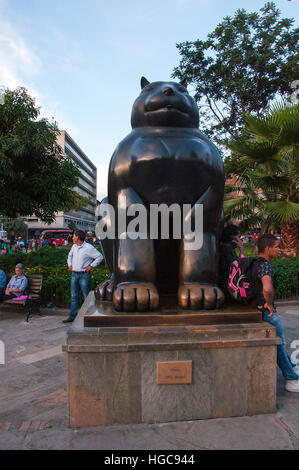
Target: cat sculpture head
164, 104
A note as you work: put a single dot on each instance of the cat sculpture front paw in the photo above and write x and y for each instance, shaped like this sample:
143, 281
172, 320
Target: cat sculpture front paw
195, 296
135, 297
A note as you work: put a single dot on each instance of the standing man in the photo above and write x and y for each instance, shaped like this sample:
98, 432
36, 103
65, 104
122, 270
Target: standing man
81, 259
268, 247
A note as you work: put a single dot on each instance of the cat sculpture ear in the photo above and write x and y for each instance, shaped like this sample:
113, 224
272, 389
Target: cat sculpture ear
184, 82
144, 82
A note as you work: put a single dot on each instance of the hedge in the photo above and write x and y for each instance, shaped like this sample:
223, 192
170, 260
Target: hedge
57, 282
51, 263
50, 257
285, 277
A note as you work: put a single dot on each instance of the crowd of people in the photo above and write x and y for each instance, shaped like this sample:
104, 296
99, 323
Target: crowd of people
14, 246
19, 244
27, 246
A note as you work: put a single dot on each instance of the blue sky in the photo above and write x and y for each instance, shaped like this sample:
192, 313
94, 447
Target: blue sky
83, 60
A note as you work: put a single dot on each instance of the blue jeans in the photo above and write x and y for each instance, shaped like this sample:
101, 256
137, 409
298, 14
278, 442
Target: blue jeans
283, 359
79, 281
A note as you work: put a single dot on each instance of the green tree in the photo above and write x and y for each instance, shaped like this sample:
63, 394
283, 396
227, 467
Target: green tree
36, 178
243, 64
265, 160
15, 228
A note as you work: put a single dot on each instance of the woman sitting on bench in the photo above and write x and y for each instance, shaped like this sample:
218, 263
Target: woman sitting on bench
17, 284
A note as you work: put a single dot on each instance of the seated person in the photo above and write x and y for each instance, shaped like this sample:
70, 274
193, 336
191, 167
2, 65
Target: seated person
17, 284
2, 282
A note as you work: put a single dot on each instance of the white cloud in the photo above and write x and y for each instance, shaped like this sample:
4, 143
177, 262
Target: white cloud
20, 66
18, 63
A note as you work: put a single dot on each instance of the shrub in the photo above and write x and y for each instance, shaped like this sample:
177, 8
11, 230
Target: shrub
8, 262
45, 256
57, 282
285, 277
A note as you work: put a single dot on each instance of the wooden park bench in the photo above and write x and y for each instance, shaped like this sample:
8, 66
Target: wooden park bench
33, 292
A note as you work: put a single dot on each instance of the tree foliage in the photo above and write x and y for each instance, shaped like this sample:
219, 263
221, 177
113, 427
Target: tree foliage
15, 228
243, 64
36, 178
265, 160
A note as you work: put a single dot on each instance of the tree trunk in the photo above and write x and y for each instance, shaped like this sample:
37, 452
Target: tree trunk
290, 238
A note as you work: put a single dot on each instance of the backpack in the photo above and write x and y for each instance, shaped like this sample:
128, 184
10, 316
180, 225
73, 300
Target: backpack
242, 285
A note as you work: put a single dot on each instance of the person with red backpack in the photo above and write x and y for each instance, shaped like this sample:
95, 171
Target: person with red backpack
230, 241
268, 248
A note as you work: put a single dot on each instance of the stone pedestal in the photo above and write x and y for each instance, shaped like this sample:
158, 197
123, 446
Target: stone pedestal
112, 370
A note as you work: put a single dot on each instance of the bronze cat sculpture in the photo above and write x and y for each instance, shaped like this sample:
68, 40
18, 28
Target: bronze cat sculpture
164, 160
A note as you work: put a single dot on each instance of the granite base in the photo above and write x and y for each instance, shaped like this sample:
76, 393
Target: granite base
112, 371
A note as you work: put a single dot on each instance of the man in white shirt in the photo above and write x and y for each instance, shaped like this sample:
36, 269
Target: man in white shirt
81, 259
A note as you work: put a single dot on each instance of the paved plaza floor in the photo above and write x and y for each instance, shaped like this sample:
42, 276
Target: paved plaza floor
33, 401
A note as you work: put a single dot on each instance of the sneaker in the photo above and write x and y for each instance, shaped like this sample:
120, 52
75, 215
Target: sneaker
296, 369
292, 385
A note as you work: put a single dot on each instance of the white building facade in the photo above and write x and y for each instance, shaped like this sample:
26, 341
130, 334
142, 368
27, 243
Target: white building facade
83, 219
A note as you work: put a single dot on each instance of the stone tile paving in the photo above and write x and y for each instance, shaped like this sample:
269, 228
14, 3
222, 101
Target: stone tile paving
33, 402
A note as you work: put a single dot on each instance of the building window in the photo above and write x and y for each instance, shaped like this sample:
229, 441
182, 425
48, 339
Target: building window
80, 158
86, 185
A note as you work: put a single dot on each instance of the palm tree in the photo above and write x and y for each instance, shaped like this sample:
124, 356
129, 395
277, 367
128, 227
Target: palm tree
265, 160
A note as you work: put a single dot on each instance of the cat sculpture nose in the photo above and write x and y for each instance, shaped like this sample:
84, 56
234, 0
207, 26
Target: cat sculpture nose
168, 91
